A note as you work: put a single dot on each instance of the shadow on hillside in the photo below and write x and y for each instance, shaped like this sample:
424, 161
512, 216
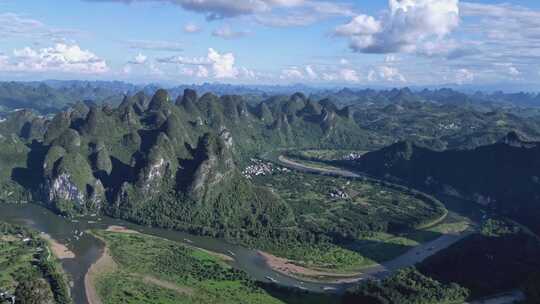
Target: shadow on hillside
120, 173
377, 251
462, 207
184, 177
422, 236
31, 176
148, 140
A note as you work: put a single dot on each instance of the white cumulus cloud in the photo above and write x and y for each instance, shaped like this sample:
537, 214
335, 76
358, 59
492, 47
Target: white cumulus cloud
291, 73
343, 61
60, 58
310, 72
215, 64
202, 72
342, 75
513, 71
402, 27
139, 59
464, 76
222, 64
391, 74
349, 75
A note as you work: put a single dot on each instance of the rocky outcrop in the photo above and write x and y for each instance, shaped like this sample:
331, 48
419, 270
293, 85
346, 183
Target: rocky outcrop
159, 166
216, 162
130, 117
328, 120
68, 182
62, 188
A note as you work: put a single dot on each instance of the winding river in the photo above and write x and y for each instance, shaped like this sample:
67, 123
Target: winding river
88, 249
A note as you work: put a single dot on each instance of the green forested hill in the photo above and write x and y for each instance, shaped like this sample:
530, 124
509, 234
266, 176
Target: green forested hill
404, 287
503, 176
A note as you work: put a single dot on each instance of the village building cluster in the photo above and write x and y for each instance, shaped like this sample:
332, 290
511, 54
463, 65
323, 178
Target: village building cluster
353, 156
261, 168
338, 194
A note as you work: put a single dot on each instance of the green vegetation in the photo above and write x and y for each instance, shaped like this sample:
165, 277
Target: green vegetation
29, 271
320, 255
407, 286
53, 273
51, 98
477, 175
350, 208
12, 159
154, 270
497, 228
360, 220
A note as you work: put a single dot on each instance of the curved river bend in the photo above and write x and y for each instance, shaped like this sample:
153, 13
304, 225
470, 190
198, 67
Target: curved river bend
88, 249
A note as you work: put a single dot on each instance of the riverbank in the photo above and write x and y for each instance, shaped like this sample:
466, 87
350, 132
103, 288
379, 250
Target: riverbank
59, 250
289, 268
104, 264
121, 229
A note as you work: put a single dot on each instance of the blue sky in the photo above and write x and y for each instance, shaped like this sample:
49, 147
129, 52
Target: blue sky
318, 42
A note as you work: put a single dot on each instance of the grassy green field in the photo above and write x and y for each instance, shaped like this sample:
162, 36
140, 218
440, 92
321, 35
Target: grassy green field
364, 205
159, 271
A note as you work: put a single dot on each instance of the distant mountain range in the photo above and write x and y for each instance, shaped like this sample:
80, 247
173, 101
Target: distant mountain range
53, 95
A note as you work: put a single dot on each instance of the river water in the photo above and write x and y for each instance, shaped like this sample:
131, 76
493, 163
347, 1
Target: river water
88, 249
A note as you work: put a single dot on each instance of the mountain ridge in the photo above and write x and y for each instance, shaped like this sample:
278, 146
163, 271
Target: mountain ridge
502, 176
